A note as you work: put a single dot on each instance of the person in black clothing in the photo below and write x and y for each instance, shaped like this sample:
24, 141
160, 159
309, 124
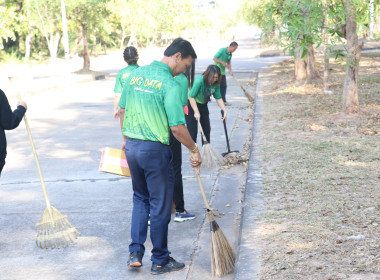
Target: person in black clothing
8, 120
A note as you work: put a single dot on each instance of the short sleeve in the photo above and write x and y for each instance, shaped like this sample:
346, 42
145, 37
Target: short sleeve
118, 87
196, 87
219, 53
173, 106
217, 94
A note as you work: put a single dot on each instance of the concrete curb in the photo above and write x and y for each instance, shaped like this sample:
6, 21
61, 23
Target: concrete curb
248, 255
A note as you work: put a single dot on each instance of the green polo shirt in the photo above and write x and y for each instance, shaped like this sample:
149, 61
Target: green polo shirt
199, 87
184, 84
122, 75
224, 56
151, 103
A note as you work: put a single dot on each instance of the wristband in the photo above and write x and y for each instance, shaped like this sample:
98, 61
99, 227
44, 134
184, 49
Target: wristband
195, 149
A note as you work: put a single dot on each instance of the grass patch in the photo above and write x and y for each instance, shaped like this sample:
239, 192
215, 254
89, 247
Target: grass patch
321, 174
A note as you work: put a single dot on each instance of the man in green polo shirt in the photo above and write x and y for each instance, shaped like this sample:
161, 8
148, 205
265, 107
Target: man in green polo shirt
150, 106
223, 59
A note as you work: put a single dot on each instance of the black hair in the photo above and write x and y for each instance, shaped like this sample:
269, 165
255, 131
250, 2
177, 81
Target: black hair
182, 46
190, 74
234, 44
208, 75
131, 55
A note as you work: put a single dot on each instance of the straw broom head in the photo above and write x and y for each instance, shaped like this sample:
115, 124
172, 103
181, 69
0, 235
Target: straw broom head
210, 157
54, 230
222, 255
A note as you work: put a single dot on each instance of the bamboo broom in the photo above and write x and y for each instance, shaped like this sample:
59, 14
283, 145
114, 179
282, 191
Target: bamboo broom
53, 229
250, 98
210, 157
222, 255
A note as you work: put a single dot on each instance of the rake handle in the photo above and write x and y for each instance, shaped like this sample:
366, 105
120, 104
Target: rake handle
225, 132
11, 80
37, 163
202, 189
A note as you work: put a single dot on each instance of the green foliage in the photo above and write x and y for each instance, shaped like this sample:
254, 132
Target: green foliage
253, 12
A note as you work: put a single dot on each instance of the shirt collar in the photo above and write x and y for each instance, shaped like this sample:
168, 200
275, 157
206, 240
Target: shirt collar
162, 65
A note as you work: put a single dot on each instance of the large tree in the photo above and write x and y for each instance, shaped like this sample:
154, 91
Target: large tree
299, 22
89, 16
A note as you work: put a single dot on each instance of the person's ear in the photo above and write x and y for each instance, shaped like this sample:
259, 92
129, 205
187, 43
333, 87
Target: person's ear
177, 57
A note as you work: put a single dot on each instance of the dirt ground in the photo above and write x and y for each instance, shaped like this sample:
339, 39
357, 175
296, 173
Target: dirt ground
321, 172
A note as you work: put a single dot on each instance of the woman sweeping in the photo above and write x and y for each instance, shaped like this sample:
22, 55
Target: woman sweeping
204, 86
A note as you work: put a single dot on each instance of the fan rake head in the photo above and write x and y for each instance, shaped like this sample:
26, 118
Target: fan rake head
55, 230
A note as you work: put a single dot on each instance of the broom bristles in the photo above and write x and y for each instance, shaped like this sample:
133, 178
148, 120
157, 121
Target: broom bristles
210, 157
55, 230
222, 255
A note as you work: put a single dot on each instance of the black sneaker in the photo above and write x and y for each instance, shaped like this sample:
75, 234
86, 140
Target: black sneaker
135, 259
171, 266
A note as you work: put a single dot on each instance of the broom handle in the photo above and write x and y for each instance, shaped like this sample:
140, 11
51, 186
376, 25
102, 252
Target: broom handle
202, 189
250, 98
225, 132
37, 163
203, 134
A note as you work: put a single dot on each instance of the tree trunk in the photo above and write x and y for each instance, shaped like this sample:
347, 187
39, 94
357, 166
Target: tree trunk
86, 55
326, 53
122, 38
53, 45
326, 68
350, 87
311, 74
28, 40
300, 67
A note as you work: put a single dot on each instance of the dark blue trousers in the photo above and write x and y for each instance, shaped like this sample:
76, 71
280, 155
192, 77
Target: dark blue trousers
150, 164
2, 163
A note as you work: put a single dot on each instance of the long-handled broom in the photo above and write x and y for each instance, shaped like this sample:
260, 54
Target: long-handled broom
250, 98
222, 255
228, 142
210, 157
53, 229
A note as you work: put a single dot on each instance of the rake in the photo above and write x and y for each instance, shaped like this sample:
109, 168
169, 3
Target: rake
250, 98
222, 255
210, 157
54, 229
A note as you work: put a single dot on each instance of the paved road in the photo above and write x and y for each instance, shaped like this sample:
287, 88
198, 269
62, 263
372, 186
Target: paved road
70, 127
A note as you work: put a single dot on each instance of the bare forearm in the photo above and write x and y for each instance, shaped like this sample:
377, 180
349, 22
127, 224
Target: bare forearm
221, 104
217, 60
181, 133
193, 104
116, 100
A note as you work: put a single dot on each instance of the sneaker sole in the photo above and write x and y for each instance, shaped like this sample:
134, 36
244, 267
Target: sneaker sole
136, 264
183, 219
153, 273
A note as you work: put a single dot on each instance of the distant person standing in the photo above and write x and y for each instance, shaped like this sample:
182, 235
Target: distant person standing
223, 59
131, 57
8, 120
